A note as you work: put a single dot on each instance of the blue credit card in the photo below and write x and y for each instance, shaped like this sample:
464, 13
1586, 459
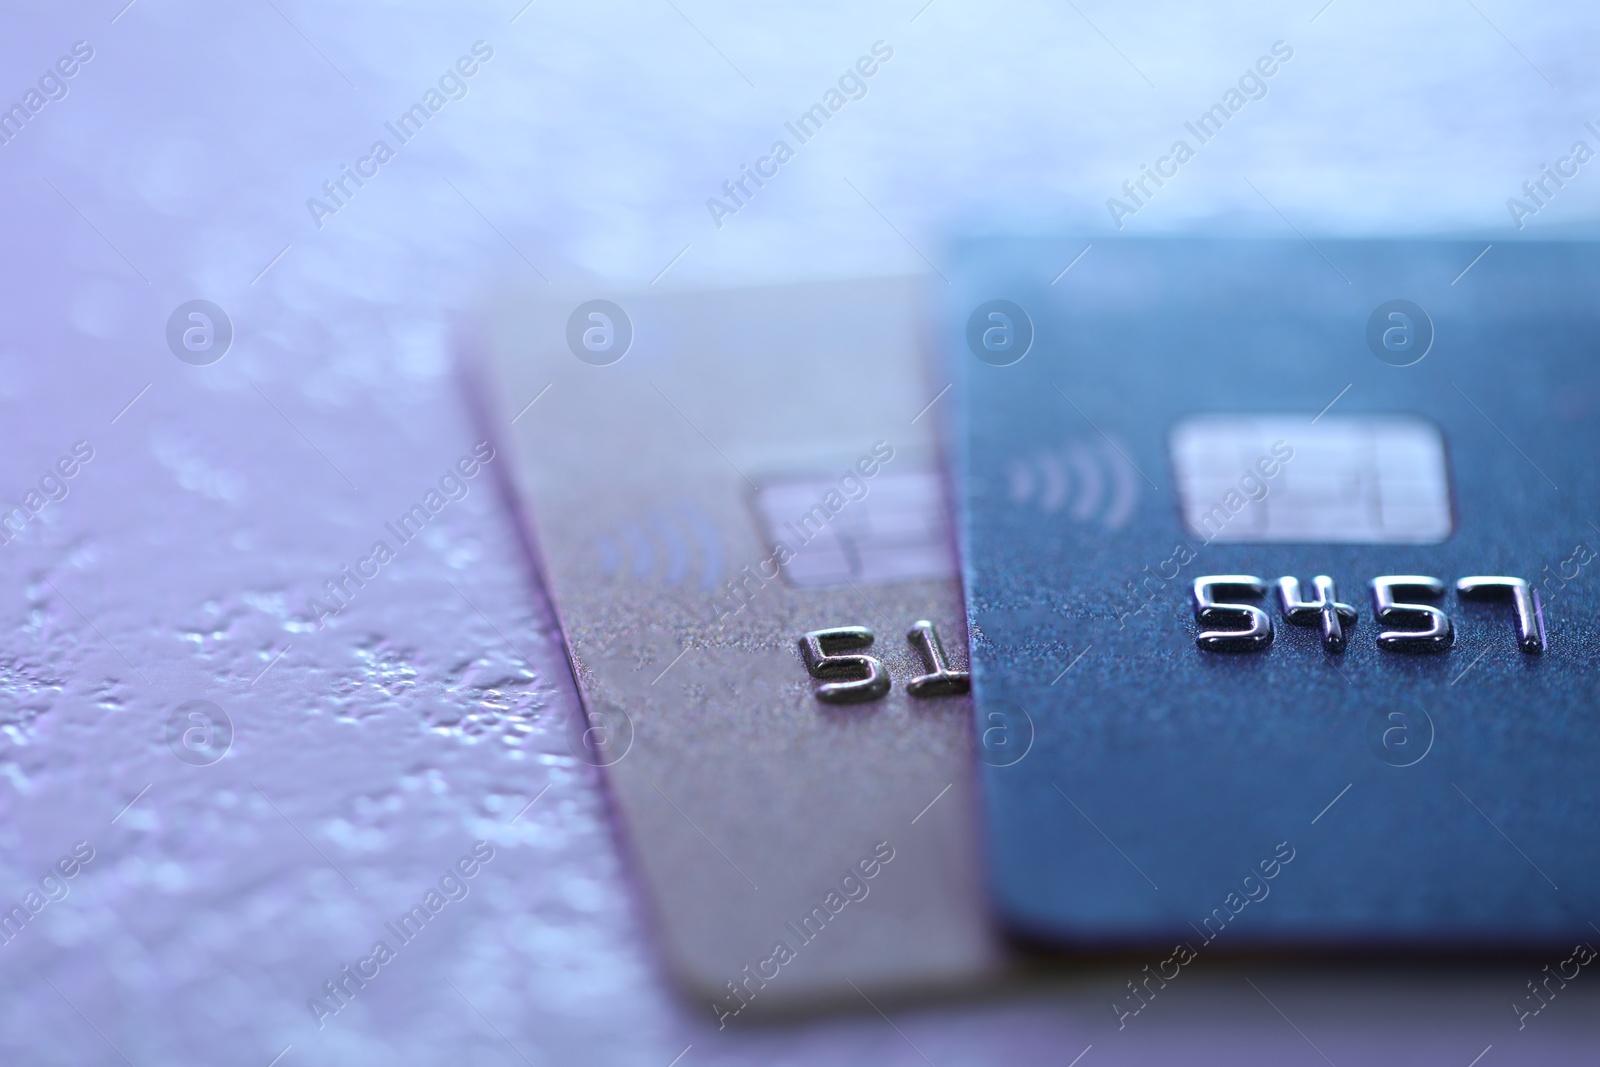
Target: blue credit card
1281, 571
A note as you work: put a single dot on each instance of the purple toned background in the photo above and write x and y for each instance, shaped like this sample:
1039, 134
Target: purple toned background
369, 755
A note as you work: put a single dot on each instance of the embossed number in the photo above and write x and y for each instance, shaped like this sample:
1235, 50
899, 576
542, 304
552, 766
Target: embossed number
1530, 622
1436, 636
850, 679
1325, 610
940, 679
1208, 611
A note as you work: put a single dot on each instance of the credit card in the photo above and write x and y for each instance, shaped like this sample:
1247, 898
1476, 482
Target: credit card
734, 502
1280, 557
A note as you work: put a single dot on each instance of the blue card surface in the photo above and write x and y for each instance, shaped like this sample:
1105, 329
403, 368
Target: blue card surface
1191, 475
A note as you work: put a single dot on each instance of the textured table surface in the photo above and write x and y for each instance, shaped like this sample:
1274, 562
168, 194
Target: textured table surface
176, 163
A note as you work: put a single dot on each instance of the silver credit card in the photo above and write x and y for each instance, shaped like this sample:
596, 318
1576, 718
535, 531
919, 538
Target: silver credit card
708, 479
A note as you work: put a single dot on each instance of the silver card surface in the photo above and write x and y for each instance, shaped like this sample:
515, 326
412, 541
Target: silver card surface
707, 479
